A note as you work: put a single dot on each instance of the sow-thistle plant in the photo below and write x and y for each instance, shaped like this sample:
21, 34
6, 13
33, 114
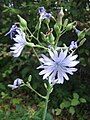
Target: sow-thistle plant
57, 62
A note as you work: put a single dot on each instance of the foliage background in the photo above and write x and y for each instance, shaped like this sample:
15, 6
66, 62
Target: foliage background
23, 103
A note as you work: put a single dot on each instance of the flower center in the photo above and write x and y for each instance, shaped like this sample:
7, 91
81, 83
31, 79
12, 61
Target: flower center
58, 65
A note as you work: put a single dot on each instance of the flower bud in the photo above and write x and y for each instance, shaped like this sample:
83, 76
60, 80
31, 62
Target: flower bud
57, 29
60, 16
30, 44
81, 34
65, 23
43, 36
70, 26
23, 23
51, 38
82, 42
29, 78
61, 13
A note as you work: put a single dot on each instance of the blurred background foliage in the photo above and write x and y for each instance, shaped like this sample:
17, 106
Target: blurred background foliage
22, 103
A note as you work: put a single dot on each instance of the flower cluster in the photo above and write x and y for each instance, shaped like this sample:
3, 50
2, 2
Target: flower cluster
61, 62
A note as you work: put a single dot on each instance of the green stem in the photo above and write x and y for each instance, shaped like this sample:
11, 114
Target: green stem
57, 39
29, 86
34, 36
35, 53
46, 105
39, 26
36, 46
49, 90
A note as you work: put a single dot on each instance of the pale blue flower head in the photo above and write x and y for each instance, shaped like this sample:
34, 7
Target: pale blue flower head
16, 83
12, 31
19, 45
73, 45
56, 68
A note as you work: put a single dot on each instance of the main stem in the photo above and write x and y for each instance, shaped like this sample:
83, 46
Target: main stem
46, 105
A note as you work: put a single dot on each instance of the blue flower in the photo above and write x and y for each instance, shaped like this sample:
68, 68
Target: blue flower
12, 31
47, 16
73, 45
55, 69
19, 45
44, 14
41, 10
16, 83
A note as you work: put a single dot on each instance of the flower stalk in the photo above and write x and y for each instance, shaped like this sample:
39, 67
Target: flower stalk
29, 86
49, 90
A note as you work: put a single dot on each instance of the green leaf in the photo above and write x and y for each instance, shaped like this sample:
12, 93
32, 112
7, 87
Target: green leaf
58, 111
72, 110
83, 100
75, 95
65, 104
74, 102
49, 117
83, 61
62, 105
87, 52
4, 95
16, 101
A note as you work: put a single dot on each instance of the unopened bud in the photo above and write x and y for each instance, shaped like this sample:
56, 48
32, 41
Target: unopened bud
65, 23
23, 23
82, 42
29, 78
61, 13
30, 44
81, 34
60, 17
70, 26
